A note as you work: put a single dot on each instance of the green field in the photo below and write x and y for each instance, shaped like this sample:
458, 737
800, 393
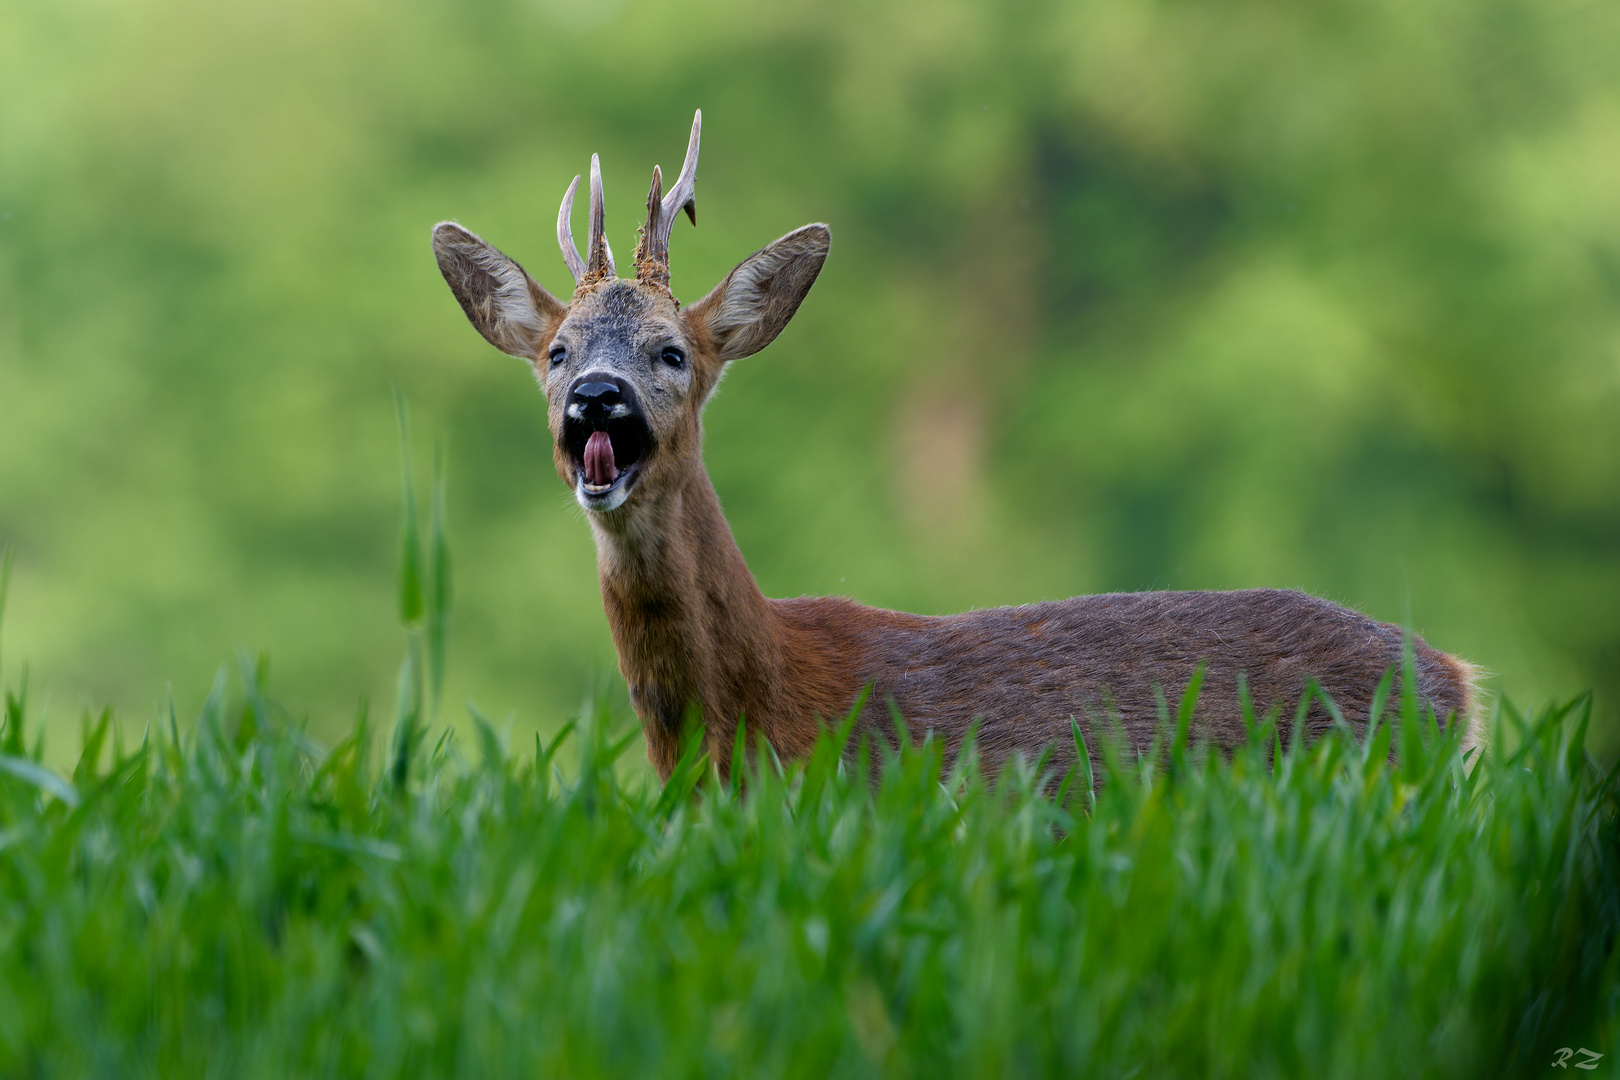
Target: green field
230, 898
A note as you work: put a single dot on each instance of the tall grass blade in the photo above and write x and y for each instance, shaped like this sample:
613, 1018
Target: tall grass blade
5, 589
16, 710
1184, 715
438, 582
408, 720
688, 773
1082, 758
489, 741
410, 548
1375, 711
739, 756
1575, 752
39, 776
1410, 744
93, 740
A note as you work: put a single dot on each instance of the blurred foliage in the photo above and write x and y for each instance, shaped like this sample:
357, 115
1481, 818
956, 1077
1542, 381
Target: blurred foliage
1122, 296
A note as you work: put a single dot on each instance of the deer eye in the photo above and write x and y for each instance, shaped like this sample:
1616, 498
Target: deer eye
556, 355
673, 357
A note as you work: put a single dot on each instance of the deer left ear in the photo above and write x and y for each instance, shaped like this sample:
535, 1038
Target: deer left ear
501, 300
750, 307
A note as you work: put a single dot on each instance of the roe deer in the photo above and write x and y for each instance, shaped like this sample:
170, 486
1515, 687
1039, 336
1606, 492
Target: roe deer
626, 370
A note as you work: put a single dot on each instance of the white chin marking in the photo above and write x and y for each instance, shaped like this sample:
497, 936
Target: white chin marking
608, 500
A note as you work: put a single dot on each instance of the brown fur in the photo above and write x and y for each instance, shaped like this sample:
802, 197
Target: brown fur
692, 627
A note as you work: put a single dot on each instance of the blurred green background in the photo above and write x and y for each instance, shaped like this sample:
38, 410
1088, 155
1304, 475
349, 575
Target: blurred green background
1123, 295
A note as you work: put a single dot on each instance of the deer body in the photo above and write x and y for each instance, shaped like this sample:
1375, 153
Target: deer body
626, 370
690, 625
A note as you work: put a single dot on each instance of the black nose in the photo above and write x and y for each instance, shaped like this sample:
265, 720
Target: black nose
596, 398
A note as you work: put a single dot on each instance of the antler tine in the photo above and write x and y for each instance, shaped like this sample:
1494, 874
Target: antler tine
652, 265
565, 234
599, 257
682, 195
648, 243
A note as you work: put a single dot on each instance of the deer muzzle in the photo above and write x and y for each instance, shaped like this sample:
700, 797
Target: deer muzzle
606, 436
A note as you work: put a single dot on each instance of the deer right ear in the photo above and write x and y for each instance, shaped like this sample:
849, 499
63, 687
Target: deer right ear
746, 311
501, 300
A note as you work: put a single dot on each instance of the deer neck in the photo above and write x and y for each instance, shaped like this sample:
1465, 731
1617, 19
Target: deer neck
689, 622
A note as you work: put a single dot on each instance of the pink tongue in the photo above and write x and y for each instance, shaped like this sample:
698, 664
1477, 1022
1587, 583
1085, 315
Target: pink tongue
600, 469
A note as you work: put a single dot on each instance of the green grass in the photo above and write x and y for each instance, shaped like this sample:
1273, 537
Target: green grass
234, 900
238, 901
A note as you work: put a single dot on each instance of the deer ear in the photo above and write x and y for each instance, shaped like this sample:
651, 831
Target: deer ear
746, 311
501, 300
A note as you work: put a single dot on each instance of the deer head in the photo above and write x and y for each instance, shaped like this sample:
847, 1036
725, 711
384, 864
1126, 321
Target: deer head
626, 369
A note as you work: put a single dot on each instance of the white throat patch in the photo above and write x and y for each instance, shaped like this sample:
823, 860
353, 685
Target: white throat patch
601, 504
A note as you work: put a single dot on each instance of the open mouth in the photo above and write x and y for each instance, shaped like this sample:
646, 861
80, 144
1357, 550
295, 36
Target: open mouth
607, 456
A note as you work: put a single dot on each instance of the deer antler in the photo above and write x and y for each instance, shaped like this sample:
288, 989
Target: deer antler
599, 261
599, 258
652, 254
565, 234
